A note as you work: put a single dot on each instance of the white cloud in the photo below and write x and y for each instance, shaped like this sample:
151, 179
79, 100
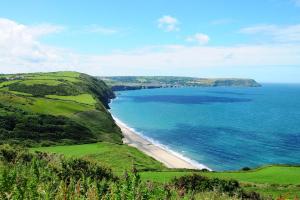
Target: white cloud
182, 58
200, 38
21, 51
101, 30
168, 23
20, 46
277, 33
17, 40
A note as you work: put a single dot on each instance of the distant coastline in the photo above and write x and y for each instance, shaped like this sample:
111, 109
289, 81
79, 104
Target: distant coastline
169, 158
120, 83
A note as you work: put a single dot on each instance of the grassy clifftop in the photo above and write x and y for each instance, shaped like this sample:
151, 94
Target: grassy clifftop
55, 108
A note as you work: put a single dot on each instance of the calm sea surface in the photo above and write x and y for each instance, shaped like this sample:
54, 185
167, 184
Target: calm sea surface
224, 128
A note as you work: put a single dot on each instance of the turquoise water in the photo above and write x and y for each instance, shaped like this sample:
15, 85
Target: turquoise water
224, 128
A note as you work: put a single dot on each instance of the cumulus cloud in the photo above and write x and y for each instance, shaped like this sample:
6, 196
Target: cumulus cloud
22, 51
277, 33
18, 41
199, 38
168, 23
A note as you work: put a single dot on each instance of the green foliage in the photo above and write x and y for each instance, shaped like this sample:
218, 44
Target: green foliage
40, 90
47, 176
44, 129
198, 183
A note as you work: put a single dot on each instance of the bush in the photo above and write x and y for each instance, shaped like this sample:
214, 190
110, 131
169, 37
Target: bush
198, 183
44, 129
246, 168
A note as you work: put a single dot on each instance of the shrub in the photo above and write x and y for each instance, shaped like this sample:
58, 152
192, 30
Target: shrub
198, 183
246, 168
48, 176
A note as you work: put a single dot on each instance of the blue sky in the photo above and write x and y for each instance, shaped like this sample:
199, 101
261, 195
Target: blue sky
218, 38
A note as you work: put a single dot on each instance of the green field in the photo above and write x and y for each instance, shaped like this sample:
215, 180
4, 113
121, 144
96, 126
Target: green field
45, 81
269, 174
270, 180
82, 98
117, 157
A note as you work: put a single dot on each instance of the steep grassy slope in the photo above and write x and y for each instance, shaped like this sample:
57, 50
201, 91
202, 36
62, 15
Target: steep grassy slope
55, 108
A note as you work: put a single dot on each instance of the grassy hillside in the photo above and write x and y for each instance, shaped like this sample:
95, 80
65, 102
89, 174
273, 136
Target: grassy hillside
55, 108
139, 82
117, 157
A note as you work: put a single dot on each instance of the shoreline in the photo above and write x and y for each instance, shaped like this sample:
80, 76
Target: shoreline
160, 153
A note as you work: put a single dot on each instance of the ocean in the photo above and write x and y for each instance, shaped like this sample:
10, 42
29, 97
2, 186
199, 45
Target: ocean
224, 128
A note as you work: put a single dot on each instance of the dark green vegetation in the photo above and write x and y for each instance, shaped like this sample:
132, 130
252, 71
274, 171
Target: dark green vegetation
139, 82
46, 176
44, 109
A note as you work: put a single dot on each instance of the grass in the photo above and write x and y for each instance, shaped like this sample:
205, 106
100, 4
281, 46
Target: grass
52, 76
6, 83
269, 181
82, 98
5, 89
269, 174
43, 105
57, 107
265, 175
100, 123
41, 82
117, 157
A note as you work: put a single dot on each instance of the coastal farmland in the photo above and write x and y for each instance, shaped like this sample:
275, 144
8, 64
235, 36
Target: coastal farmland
65, 113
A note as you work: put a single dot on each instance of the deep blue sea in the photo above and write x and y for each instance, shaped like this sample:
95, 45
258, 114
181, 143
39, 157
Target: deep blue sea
224, 128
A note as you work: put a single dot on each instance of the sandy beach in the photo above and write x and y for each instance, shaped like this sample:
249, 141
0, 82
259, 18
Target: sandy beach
168, 158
